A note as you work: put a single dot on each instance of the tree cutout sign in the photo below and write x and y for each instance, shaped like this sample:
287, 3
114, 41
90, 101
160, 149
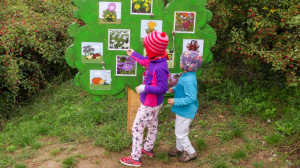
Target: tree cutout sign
113, 26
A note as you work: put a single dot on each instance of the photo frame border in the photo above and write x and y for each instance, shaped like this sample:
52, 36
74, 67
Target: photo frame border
125, 74
175, 22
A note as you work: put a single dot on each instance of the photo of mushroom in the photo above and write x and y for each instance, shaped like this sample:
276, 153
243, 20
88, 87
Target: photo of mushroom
91, 52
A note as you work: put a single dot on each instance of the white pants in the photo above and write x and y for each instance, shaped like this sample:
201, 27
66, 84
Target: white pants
182, 131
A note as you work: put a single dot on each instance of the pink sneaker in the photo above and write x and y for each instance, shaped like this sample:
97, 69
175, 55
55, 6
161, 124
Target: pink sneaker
150, 153
128, 161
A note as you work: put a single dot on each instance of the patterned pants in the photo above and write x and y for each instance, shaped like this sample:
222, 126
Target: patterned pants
145, 117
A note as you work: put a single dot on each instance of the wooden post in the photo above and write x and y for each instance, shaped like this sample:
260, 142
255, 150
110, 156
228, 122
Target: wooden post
133, 106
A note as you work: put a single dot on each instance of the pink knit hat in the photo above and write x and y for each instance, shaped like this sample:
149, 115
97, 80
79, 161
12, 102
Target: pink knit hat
156, 43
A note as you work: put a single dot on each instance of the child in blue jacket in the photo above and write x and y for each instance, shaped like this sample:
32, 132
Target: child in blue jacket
185, 104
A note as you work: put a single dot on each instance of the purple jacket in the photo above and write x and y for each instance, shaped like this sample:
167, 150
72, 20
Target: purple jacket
155, 80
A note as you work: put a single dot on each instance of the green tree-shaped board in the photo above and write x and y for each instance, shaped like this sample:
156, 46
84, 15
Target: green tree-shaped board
97, 31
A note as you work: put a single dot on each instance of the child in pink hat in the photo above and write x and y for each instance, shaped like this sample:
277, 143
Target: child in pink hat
155, 85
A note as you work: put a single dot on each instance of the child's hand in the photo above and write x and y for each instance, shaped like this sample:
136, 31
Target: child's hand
140, 89
171, 101
171, 90
129, 52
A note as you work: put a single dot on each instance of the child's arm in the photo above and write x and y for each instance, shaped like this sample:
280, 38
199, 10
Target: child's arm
144, 61
162, 83
190, 90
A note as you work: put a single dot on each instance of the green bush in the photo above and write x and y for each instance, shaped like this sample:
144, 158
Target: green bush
33, 41
257, 37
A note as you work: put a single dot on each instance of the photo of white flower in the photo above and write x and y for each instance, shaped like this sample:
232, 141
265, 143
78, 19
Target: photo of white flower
118, 39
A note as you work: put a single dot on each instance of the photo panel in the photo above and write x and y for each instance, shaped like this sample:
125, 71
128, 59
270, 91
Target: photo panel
171, 58
184, 22
148, 26
173, 79
125, 66
193, 45
91, 52
141, 7
100, 79
110, 12
118, 39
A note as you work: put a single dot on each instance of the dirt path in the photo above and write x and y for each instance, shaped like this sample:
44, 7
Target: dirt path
89, 156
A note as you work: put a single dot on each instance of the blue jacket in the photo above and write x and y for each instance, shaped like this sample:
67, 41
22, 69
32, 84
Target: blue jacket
185, 96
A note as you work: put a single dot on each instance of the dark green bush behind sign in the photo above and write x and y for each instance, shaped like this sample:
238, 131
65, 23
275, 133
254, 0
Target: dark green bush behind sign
33, 39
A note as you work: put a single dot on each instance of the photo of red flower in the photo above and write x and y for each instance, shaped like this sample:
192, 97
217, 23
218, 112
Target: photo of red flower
184, 22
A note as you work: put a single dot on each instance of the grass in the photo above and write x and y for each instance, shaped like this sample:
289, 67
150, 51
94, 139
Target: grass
201, 144
239, 154
220, 164
69, 162
20, 166
56, 152
274, 139
163, 157
71, 115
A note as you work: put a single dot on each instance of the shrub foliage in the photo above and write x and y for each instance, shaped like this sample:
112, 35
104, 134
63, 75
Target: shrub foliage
263, 34
33, 39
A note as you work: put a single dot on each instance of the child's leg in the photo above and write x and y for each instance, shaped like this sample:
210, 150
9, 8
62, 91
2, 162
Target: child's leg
152, 128
142, 119
182, 131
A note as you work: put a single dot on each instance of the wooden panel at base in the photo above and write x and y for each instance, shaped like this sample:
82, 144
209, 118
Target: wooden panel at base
133, 106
